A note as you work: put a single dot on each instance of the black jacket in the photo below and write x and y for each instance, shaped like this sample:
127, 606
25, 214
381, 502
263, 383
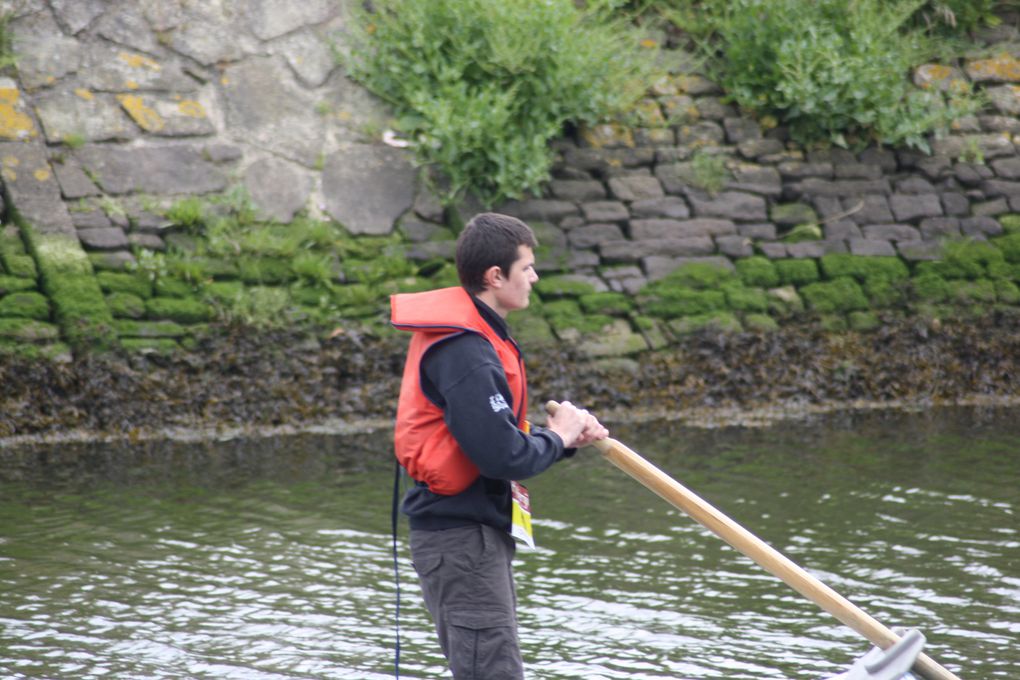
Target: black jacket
463, 376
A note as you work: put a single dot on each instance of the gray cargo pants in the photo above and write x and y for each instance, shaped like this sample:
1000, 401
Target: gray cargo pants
468, 586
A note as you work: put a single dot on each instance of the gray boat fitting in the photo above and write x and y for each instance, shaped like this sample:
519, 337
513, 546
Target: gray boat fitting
889, 664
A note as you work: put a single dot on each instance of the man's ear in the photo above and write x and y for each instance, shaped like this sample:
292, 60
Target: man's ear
493, 277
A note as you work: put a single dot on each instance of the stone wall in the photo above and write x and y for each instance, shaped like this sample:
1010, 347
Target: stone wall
119, 108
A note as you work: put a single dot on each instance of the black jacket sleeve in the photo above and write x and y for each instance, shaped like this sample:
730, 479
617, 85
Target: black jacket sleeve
464, 377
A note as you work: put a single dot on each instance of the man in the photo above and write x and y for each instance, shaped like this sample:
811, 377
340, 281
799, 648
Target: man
462, 435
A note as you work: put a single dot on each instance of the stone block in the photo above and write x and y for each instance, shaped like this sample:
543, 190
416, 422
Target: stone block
45, 54
73, 181
914, 185
103, 238
735, 246
109, 68
842, 229
700, 134
668, 206
999, 206
659, 266
805, 249
731, 205
713, 108
755, 179
593, 235
309, 56
1002, 68
935, 167
755, 149
955, 203
906, 207
268, 19
813, 186
856, 171
665, 228
82, 115
90, 219
577, 190
635, 188
980, 226
633, 251
801, 170
1000, 187
367, 187
177, 169
773, 250
883, 158
934, 228
604, 161
891, 232
277, 188
917, 251
605, 211
546, 210
740, 129
617, 339
762, 230
791, 214
871, 247
870, 209
972, 174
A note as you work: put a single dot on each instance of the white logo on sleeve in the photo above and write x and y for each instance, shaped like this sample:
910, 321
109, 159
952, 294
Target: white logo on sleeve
498, 403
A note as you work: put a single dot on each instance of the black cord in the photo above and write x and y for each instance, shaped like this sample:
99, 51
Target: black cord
396, 565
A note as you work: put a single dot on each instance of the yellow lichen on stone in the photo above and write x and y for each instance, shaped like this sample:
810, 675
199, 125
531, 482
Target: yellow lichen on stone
130, 84
42, 174
139, 61
9, 174
10, 161
607, 135
84, 94
1004, 67
191, 108
146, 118
14, 124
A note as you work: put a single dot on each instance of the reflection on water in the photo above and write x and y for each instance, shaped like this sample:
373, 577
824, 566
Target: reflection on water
271, 559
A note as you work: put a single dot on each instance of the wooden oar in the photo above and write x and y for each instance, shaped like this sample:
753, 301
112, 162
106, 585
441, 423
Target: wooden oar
762, 553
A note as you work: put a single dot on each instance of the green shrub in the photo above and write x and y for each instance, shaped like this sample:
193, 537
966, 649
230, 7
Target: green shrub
839, 295
188, 213
758, 271
833, 70
480, 86
797, 271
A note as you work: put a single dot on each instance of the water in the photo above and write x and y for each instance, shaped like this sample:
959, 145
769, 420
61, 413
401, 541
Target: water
271, 558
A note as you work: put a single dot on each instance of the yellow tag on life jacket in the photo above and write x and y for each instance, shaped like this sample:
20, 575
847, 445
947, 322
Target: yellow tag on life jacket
520, 520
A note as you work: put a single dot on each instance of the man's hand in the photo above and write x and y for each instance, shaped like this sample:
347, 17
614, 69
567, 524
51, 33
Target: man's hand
576, 427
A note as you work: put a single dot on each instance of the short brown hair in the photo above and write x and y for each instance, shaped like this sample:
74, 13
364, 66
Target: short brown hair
489, 239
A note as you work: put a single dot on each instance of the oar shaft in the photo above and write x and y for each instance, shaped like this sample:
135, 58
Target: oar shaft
762, 553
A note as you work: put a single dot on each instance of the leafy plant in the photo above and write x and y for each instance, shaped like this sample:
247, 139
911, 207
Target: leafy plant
481, 86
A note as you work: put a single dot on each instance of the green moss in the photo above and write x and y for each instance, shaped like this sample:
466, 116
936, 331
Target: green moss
12, 284
356, 295
615, 304
264, 270
1007, 292
181, 310
762, 323
863, 321
1009, 245
148, 329
26, 305
678, 302
1010, 223
793, 213
929, 287
884, 293
565, 314
842, 294
744, 299
836, 265
981, 291
834, 323
134, 283
964, 260
27, 330
561, 286
150, 345
312, 296
785, 301
222, 291
716, 321
169, 286
797, 271
699, 276
531, 329
757, 271
125, 305
188, 213
803, 232
22, 265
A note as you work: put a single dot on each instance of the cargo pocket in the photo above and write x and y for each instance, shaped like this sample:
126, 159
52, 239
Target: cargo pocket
483, 644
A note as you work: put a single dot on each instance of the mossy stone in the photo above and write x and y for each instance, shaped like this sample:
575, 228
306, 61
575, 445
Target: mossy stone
863, 321
28, 330
1007, 292
264, 270
803, 232
793, 213
929, 287
26, 305
757, 271
839, 295
785, 301
743, 299
181, 310
717, 321
563, 286
81, 310
531, 330
168, 286
678, 302
148, 329
1009, 245
125, 305
13, 284
150, 345
761, 323
566, 314
22, 266
798, 271
312, 296
223, 291
1010, 223
837, 265
135, 283
614, 304
833, 323
355, 295
884, 293
981, 291
697, 275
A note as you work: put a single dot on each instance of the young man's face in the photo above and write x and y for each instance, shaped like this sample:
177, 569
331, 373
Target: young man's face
515, 289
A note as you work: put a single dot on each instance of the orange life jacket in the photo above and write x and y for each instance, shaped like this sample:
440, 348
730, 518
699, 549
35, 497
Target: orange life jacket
422, 442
